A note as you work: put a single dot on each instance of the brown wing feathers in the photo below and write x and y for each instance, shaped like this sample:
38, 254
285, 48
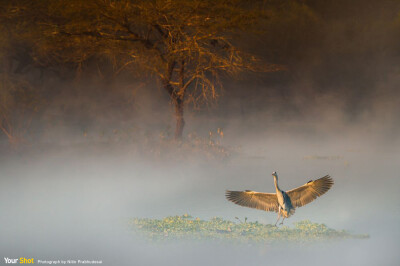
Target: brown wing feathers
252, 199
310, 191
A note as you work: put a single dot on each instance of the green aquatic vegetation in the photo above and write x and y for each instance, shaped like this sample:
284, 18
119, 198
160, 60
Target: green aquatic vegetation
187, 227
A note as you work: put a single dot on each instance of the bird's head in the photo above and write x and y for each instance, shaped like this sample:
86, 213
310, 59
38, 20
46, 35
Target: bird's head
274, 174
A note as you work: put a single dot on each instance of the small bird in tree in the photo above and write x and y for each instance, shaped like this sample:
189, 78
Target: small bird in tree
284, 203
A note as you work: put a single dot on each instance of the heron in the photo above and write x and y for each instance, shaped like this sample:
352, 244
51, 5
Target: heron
282, 202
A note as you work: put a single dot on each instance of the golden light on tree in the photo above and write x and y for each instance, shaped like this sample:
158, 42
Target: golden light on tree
186, 45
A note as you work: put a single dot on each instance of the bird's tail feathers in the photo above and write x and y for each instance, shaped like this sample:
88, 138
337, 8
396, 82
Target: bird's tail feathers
289, 213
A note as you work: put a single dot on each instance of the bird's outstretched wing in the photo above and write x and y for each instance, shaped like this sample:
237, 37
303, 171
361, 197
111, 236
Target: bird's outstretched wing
252, 199
308, 192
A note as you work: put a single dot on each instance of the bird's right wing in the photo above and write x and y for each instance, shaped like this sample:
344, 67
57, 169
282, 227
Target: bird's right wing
252, 199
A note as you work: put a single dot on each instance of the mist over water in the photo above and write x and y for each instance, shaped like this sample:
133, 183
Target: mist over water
72, 203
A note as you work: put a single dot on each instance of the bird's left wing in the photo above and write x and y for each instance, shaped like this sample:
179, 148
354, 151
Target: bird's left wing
308, 192
252, 199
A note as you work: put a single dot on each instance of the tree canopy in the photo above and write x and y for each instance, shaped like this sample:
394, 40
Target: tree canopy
186, 45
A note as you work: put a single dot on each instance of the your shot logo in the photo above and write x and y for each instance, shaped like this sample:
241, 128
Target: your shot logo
23, 260
20, 260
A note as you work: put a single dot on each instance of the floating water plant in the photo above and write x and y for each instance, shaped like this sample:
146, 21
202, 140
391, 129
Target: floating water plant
187, 227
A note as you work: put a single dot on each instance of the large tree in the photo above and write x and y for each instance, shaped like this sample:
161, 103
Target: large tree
187, 45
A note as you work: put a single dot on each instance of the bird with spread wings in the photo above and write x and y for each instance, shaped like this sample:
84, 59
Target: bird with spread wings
282, 202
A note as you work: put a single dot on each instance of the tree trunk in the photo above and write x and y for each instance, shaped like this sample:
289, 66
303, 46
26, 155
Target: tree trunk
177, 98
180, 122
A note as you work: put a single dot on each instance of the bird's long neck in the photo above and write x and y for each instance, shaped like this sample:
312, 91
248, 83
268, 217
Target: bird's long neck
276, 184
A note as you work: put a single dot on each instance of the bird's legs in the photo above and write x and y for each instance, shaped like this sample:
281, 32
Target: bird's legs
279, 215
282, 220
